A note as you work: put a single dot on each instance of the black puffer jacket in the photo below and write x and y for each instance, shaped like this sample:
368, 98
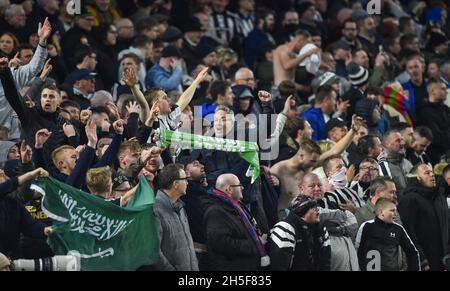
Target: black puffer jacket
230, 246
425, 216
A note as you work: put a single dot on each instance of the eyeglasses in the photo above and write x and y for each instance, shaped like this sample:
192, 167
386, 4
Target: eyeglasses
369, 168
183, 179
247, 79
238, 185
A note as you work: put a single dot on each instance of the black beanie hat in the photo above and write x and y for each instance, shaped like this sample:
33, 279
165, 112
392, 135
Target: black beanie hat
302, 204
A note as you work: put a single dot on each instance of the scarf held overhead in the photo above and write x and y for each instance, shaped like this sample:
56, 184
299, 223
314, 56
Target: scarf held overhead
247, 150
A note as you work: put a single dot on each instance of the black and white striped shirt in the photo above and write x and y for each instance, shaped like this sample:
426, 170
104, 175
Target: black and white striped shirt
244, 24
364, 194
222, 27
342, 195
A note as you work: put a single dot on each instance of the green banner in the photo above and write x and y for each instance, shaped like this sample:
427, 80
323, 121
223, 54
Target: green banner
247, 150
106, 236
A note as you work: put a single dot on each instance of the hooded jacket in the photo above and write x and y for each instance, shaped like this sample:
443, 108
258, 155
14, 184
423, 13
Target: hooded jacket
425, 216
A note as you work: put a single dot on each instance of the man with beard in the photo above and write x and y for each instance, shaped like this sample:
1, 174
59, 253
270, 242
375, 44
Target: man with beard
366, 35
369, 146
350, 35
425, 215
423, 137
396, 165
194, 199
368, 171
260, 36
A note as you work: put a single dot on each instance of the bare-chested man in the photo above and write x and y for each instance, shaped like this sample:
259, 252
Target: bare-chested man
285, 58
290, 172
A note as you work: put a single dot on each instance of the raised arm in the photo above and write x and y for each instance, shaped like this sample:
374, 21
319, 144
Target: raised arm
289, 63
24, 74
345, 142
130, 79
10, 89
187, 95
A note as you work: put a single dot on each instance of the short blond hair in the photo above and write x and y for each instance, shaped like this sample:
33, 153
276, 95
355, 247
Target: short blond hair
381, 204
56, 154
99, 180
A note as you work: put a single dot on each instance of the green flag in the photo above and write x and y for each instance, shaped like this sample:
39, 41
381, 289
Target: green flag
106, 236
247, 150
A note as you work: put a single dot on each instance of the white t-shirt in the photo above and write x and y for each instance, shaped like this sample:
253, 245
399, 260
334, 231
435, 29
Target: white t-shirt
312, 63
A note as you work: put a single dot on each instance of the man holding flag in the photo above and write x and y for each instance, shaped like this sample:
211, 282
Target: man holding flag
104, 236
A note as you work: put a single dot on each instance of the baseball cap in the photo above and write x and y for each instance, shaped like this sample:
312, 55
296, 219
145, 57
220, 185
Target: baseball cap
335, 122
327, 78
82, 74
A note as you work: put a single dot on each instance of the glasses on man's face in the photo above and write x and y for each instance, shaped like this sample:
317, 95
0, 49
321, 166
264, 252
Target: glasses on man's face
238, 185
373, 169
186, 179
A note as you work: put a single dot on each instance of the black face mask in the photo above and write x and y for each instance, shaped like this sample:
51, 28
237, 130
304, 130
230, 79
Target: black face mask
290, 28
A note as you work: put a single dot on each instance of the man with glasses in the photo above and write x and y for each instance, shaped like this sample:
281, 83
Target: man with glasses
232, 237
244, 76
176, 245
368, 171
350, 34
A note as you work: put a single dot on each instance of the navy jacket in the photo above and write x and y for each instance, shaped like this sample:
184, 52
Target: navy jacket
15, 219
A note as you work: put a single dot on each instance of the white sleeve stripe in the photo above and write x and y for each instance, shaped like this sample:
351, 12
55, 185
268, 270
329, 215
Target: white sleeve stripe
359, 234
282, 244
286, 226
283, 234
410, 240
